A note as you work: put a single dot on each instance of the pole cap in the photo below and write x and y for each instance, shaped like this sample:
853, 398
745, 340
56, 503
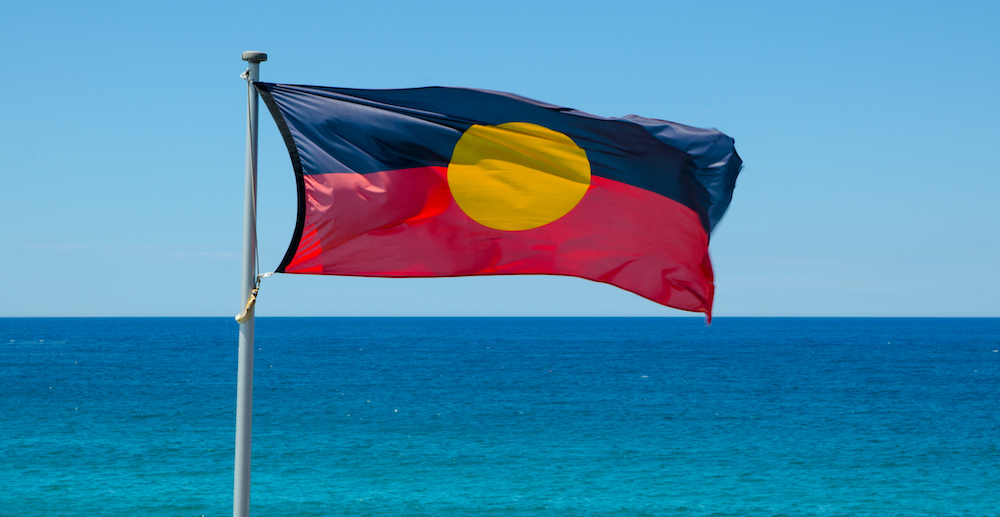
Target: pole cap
253, 56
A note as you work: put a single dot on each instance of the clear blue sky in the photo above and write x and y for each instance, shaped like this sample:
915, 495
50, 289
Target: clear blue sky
868, 132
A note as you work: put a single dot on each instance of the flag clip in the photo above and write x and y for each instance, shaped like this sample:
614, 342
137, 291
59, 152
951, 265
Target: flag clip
244, 316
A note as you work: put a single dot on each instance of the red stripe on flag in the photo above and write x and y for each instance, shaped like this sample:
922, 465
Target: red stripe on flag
405, 223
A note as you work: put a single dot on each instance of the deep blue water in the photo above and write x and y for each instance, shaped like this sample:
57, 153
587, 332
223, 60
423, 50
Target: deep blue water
505, 416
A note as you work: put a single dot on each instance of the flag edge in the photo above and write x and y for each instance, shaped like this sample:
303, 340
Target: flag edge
300, 189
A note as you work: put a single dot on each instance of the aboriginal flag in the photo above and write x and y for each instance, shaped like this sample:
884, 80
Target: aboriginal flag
435, 182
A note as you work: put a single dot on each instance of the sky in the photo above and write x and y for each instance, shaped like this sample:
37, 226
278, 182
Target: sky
867, 129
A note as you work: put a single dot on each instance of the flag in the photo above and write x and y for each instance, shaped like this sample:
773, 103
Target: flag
440, 182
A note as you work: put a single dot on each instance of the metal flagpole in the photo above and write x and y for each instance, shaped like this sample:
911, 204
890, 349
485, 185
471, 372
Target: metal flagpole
244, 383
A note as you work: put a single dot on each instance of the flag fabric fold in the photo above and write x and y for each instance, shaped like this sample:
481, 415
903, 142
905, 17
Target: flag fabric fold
436, 182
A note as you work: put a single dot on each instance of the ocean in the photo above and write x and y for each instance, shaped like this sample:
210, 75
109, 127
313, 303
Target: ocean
504, 417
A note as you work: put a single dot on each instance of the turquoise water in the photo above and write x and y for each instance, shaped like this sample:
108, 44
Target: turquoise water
505, 416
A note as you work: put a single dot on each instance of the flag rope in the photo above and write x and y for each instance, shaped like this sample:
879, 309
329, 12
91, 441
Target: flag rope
252, 300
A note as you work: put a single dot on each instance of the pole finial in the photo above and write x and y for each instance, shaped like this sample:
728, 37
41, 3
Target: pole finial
253, 56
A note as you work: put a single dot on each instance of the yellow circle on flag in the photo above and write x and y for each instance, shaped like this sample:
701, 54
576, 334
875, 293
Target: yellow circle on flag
517, 176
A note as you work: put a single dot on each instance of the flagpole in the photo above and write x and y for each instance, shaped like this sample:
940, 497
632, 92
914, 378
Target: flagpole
244, 382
